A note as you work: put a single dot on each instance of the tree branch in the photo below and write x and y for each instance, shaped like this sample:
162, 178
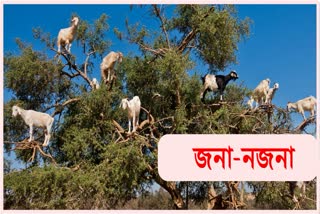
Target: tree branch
157, 52
83, 74
86, 62
188, 38
157, 13
35, 145
70, 75
61, 105
302, 125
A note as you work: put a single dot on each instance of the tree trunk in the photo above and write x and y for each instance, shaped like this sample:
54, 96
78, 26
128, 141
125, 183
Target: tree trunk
178, 97
242, 193
171, 187
211, 196
214, 201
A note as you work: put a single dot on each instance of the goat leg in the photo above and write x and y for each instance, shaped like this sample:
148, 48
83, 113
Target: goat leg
31, 132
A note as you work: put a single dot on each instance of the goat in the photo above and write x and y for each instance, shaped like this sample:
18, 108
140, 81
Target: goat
216, 83
306, 104
67, 35
259, 93
292, 187
108, 63
271, 93
134, 107
95, 84
37, 119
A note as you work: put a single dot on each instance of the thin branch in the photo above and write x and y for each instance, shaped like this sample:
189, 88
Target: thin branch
190, 36
86, 61
75, 67
187, 40
70, 75
195, 47
35, 145
47, 155
59, 105
302, 125
33, 155
157, 52
118, 127
57, 111
157, 12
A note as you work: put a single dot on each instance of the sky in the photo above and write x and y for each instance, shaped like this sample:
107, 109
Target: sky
281, 46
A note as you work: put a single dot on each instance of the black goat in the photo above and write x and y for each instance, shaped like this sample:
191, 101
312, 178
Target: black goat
216, 83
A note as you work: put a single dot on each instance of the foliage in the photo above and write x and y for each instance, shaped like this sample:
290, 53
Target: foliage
276, 195
217, 31
61, 188
34, 78
91, 36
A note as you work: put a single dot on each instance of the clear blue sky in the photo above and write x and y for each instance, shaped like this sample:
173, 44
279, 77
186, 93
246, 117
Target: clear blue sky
282, 45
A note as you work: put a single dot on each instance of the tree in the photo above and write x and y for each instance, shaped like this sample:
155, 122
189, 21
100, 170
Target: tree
92, 161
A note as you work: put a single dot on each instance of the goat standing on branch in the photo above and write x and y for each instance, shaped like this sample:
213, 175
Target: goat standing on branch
134, 107
259, 94
107, 65
67, 35
37, 119
216, 83
292, 187
271, 93
306, 104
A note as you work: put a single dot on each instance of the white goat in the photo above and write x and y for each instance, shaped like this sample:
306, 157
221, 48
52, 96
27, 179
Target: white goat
67, 35
133, 106
37, 119
271, 93
95, 84
259, 93
108, 63
297, 184
306, 104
